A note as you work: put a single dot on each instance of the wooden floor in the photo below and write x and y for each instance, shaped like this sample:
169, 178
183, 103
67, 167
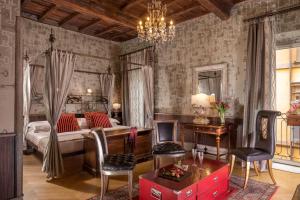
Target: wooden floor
84, 186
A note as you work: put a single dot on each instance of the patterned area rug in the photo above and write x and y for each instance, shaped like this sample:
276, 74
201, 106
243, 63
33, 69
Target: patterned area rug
255, 191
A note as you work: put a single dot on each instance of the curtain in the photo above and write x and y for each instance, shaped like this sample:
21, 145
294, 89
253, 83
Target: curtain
35, 72
147, 76
135, 112
58, 75
136, 98
125, 91
26, 98
260, 81
107, 84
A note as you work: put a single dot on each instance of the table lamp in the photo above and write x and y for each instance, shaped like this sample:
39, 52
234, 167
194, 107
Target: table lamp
116, 108
200, 103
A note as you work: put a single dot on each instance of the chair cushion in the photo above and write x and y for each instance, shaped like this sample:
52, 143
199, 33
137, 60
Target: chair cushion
251, 154
116, 162
168, 148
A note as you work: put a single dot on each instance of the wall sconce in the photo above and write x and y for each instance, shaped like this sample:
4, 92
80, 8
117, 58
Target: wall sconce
89, 91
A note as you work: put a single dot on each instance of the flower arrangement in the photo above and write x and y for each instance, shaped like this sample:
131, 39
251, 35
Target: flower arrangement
294, 107
221, 107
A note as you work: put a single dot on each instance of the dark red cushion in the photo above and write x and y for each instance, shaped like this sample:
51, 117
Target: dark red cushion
101, 120
67, 123
89, 118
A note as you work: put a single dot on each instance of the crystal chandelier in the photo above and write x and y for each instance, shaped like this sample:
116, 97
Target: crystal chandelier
155, 29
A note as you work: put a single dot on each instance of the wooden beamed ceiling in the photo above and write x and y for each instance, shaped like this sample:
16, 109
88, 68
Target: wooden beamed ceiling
116, 20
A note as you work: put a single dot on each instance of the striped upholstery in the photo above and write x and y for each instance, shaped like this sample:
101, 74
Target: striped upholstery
67, 123
101, 120
89, 118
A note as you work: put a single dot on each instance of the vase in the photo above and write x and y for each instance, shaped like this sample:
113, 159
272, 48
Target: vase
222, 117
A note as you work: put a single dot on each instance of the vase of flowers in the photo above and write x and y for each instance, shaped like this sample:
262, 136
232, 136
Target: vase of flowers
295, 107
221, 107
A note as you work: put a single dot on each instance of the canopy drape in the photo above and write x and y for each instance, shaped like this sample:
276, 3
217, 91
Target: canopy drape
107, 84
136, 82
58, 75
260, 81
147, 76
26, 98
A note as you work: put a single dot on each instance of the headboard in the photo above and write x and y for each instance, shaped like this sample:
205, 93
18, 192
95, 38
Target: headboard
41, 117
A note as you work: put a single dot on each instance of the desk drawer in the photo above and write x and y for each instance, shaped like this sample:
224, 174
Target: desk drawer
215, 192
214, 179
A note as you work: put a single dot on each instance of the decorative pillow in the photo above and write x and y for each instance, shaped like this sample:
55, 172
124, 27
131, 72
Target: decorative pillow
67, 123
101, 120
89, 118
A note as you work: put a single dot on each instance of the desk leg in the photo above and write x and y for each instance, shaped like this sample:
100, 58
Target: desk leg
218, 146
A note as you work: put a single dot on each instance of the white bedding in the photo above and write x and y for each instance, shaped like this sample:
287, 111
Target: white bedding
69, 142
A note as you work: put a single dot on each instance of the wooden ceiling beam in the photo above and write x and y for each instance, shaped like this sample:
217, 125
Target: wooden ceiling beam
86, 27
130, 4
222, 10
187, 10
46, 13
68, 18
93, 9
107, 30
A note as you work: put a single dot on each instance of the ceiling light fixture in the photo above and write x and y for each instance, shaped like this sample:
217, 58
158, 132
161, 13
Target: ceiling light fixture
155, 29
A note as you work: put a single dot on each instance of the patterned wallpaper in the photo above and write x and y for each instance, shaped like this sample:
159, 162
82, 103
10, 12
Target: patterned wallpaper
208, 40
9, 9
35, 42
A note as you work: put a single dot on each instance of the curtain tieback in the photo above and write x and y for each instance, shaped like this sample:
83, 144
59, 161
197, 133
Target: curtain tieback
132, 136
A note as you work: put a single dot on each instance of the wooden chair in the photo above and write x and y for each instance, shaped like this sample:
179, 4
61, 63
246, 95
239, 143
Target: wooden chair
114, 164
264, 147
165, 144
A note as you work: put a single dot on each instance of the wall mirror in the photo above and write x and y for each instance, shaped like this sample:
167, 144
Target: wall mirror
211, 79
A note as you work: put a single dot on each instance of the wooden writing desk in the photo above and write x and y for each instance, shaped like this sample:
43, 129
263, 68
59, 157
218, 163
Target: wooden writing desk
212, 129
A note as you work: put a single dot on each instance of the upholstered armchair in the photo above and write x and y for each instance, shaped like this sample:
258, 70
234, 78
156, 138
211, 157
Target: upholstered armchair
165, 144
264, 146
112, 164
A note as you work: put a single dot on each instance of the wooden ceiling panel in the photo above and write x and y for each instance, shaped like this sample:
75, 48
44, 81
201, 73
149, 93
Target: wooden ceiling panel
116, 19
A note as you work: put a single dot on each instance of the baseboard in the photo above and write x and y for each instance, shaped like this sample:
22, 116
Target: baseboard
285, 167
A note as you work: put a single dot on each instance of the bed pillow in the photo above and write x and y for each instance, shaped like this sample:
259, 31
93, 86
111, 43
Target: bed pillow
67, 123
89, 118
39, 126
114, 122
101, 120
82, 123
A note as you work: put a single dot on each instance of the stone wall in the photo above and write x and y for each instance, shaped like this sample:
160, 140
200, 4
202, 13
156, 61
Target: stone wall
9, 9
35, 41
208, 40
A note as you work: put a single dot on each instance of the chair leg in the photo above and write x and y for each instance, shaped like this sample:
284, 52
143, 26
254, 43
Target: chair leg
130, 184
232, 160
156, 162
106, 183
256, 168
102, 186
271, 171
247, 174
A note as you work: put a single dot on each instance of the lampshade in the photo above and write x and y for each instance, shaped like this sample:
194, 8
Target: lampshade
200, 100
116, 106
212, 98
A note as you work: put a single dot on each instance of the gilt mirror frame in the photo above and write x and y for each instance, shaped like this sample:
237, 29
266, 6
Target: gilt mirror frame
215, 67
